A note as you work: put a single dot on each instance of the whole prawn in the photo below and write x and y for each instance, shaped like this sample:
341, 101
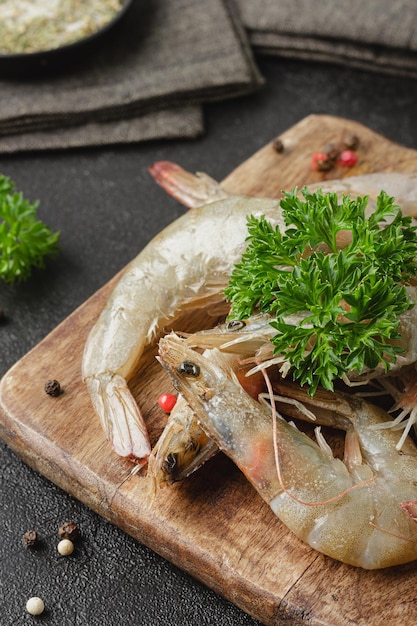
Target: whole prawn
353, 511
186, 266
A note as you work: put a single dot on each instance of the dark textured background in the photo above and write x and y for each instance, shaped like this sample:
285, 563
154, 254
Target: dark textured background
107, 207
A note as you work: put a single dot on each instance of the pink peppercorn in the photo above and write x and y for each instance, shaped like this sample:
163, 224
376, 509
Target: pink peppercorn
167, 401
347, 158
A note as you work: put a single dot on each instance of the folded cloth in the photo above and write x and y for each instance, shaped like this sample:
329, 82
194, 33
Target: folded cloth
184, 122
164, 60
376, 35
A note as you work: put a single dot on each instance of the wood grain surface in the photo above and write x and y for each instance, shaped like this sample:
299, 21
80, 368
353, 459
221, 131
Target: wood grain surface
213, 525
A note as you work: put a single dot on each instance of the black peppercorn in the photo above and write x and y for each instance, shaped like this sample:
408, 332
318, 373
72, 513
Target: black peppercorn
69, 530
277, 145
53, 388
30, 538
351, 142
332, 151
323, 162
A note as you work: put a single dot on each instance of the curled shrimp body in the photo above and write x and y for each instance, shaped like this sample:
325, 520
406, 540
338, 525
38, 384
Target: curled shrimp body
349, 511
186, 265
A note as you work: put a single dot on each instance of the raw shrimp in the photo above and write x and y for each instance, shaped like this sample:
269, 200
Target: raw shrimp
183, 446
349, 511
186, 266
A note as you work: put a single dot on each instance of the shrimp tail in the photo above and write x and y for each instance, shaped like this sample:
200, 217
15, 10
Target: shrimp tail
120, 416
192, 190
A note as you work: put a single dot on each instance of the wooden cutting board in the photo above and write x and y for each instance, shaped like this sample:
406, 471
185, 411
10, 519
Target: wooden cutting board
214, 525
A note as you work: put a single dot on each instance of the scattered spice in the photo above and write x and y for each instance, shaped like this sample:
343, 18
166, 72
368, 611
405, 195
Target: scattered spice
65, 547
167, 401
52, 388
332, 151
278, 145
351, 142
30, 538
347, 158
69, 530
342, 154
321, 162
35, 606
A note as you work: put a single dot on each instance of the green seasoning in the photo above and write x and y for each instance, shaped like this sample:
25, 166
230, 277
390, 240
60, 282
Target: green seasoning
335, 280
37, 25
24, 240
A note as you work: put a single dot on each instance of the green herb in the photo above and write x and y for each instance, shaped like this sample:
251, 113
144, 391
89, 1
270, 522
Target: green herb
336, 310
24, 241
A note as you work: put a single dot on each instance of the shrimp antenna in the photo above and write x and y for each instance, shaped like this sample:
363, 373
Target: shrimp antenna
278, 462
136, 469
132, 472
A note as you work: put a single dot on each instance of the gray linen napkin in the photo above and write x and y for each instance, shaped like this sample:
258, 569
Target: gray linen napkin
378, 35
184, 122
163, 61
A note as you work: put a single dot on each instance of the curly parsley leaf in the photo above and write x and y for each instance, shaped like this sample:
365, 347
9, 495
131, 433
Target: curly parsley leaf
335, 281
24, 240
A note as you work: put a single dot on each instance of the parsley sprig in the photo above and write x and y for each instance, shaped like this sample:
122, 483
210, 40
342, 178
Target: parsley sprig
24, 240
335, 282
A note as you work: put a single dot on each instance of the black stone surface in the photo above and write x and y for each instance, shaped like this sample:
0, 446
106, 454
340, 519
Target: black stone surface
107, 207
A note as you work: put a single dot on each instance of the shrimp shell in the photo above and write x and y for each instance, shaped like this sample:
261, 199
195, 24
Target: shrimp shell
350, 512
185, 266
